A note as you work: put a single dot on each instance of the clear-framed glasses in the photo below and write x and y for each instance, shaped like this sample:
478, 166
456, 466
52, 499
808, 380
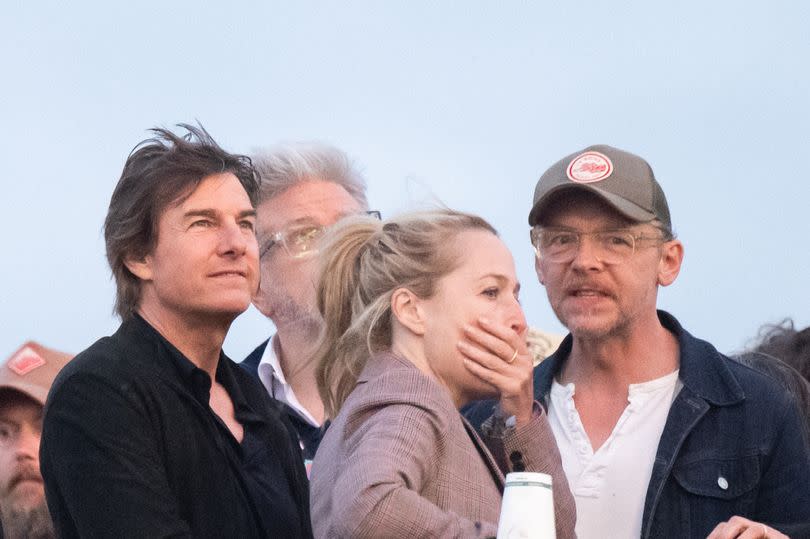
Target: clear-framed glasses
560, 245
300, 240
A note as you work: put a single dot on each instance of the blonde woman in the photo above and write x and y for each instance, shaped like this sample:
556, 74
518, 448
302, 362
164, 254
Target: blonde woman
422, 317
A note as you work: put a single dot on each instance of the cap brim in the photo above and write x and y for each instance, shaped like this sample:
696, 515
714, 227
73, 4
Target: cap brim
625, 207
35, 392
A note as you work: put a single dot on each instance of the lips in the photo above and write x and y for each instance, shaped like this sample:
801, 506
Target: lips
229, 273
587, 290
27, 473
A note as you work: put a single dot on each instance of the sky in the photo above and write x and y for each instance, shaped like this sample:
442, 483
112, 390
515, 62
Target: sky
462, 104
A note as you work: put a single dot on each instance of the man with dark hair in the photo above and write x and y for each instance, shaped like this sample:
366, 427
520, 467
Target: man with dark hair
660, 434
153, 431
25, 379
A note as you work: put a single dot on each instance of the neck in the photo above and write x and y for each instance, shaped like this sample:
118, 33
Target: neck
198, 338
411, 348
646, 352
294, 349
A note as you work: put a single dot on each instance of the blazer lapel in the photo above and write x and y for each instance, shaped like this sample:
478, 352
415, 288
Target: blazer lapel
486, 456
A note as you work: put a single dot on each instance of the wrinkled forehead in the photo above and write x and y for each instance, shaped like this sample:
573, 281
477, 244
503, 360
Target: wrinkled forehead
575, 207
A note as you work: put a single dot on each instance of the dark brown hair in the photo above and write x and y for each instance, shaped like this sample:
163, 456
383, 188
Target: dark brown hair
160, 171
789, 344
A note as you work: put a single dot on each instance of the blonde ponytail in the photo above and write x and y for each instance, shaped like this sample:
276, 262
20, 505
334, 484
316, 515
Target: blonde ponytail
362, 262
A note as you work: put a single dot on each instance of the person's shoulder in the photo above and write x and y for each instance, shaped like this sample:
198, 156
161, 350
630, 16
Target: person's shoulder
394, 379
102, 359
755, 382
251, 363
392, 388
117, 362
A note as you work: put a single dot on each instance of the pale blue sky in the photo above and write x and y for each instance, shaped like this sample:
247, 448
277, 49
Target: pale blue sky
461, 102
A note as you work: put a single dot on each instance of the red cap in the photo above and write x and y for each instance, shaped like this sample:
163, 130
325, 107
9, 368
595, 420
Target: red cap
32, 369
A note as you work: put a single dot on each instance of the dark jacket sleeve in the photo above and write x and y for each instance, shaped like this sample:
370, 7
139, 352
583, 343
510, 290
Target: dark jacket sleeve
104, 475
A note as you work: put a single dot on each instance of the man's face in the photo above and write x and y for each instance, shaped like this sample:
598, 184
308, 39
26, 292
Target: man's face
596, 300
287, 290
21, 486
205, 263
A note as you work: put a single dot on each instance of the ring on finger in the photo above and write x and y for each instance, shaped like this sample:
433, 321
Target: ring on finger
764, 530
512, 359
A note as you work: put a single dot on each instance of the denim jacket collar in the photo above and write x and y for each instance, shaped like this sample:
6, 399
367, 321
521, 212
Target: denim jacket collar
701, 367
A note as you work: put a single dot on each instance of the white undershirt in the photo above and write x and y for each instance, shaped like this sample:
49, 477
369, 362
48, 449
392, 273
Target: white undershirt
610, 486
273, 379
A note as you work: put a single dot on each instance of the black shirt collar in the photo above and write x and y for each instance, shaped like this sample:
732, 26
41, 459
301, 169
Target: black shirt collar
173, 363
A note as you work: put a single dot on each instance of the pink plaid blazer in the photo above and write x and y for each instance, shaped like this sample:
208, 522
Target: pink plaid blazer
399, 460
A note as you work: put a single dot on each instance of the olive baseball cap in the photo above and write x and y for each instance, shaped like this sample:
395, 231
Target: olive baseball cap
31, 370
622, 179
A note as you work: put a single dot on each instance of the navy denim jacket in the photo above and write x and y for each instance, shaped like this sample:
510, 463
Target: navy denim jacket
730, 422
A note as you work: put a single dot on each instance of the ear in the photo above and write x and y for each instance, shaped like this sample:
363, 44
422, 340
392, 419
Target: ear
407, 309
140, 268
538, 267
670, 264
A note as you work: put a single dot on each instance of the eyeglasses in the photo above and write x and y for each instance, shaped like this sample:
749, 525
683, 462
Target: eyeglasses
561, 245
301, 240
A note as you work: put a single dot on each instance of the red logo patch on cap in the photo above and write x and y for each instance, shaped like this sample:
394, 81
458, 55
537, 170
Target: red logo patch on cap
25, 361
589, 167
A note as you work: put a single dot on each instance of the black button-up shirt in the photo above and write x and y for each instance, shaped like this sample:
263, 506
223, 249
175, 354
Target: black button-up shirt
131, 448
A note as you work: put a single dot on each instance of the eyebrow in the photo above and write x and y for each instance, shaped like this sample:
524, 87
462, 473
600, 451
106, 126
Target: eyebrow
211, 214
310, 220
502, 279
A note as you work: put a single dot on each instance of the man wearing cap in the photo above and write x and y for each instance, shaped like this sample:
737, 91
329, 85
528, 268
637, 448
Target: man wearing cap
660, 434
25, 379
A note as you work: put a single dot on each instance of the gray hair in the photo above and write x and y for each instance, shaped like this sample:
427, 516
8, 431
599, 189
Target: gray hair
281, 167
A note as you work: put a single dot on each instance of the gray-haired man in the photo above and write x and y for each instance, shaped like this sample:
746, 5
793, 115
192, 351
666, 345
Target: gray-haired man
305, 188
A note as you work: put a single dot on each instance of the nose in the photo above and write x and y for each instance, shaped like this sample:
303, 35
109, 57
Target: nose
586, 256
515, 318
27, 444
234, 239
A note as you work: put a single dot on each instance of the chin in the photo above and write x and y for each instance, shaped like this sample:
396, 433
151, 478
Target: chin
482, 391
233, 305
28, 495
587, 324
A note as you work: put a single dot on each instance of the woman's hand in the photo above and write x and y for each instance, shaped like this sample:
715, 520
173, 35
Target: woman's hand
742, 528
498, 355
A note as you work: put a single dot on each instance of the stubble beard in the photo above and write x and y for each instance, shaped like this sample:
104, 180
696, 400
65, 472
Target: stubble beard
614, 326
288, 313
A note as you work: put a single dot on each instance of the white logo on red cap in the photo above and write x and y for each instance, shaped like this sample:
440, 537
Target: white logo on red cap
589, 167
25, 361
